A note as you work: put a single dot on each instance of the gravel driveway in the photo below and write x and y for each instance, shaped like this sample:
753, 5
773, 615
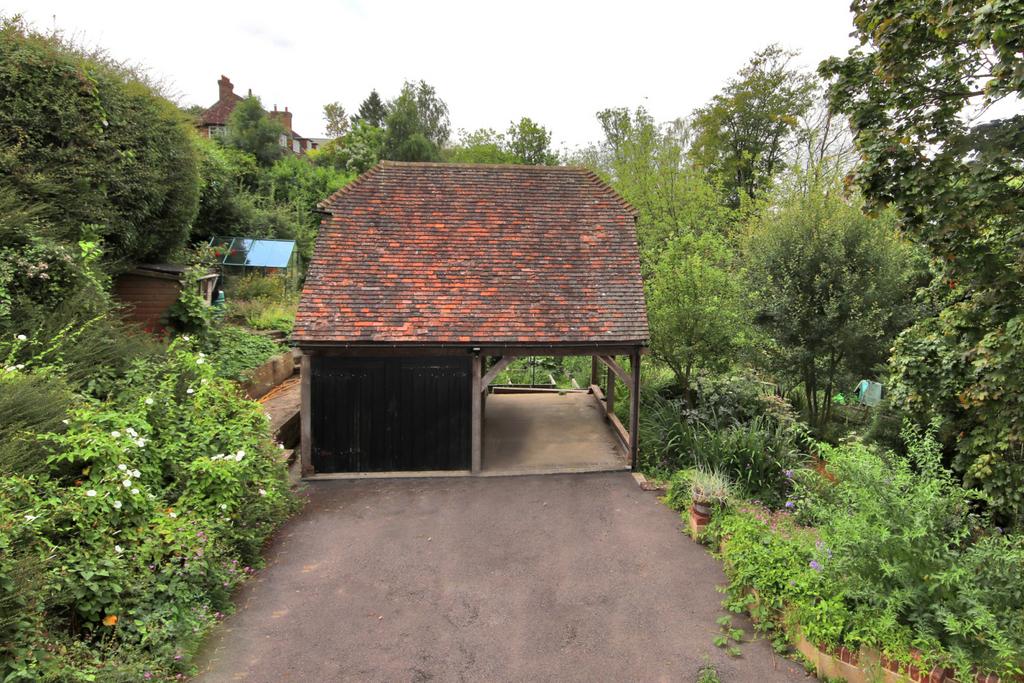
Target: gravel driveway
579, 577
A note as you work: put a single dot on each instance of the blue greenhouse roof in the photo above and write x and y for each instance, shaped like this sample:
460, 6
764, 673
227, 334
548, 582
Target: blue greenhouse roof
253, 252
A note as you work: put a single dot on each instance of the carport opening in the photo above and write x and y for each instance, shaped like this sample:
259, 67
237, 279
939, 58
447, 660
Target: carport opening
550, 414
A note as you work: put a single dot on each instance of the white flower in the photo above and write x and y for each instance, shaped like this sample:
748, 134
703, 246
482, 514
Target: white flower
281, 446
136, 474
239, 455
141, 442
19, 366
30, 518
123, 467
67, 422
185, 337
118, 549
91, 493
172, 515
127, 483
189, 391
200, 361
148, 401
263, 492
132, 432
117, 505
22, 337
219, 456
115, 434
223, 506
135, 492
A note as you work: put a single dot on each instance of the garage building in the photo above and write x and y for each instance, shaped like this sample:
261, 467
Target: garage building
427, 279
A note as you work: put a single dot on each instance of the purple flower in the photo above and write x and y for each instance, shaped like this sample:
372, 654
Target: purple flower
815, 566
177, 658
789, 474
790, 504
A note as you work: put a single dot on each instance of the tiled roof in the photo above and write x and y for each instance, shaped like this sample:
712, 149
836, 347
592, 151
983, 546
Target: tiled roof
218, 114
467, 253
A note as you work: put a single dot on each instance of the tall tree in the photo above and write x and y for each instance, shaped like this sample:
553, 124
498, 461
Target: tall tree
743, 134
530, 143
252, 131
337, 119
647, 164
417, 124
372, 111
830, 286
481, 146
914, 91
697, 311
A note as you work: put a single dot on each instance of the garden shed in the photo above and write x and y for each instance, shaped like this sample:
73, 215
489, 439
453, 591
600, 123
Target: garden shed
428, 279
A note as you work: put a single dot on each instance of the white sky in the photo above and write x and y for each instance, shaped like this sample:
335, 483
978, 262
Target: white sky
556, 62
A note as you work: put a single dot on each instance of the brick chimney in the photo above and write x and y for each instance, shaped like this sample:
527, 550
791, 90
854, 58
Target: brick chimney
283, 117
225, 87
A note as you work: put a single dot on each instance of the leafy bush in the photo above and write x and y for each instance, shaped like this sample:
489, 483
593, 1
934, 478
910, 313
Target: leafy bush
176, 486
756, 455
254, 286
679, 495
29, 405
234, 351
895, 559
113, 156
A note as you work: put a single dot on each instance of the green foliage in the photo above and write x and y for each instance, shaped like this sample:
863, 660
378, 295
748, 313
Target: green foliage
175, 488
372, 111
337, 119
190, 313
646, 164
37, 271
113, 156
416, 125
227, 175
251, 130
679, 494
759, 456
525, 142
912, 91
831, 287
710, 487
895, 559
697, 314
262, 302
743, 133
530, 143
355, 152
234, 351
29, 405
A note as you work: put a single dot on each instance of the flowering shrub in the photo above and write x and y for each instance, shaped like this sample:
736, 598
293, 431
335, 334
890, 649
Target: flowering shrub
158, 507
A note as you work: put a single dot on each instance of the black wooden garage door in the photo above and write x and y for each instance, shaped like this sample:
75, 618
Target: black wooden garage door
386, 414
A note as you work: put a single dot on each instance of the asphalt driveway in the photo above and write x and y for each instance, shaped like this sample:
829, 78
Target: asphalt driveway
579, 577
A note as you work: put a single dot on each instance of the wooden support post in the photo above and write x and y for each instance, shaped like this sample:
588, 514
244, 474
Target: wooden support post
609, 394
476, 434
306, 417
634, 409
593, 370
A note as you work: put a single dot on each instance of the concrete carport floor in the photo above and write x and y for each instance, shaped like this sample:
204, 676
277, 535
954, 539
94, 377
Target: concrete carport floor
578, 577
547, 432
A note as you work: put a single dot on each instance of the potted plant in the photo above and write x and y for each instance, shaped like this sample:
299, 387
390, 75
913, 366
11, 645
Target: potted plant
708, 489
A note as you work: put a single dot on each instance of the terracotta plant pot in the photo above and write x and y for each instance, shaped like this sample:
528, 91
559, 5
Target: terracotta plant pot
701, 511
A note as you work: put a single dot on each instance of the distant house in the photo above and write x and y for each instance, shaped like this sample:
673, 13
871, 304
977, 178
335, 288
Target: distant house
214, 120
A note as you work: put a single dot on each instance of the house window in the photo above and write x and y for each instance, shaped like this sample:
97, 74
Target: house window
283, 140
216, 131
